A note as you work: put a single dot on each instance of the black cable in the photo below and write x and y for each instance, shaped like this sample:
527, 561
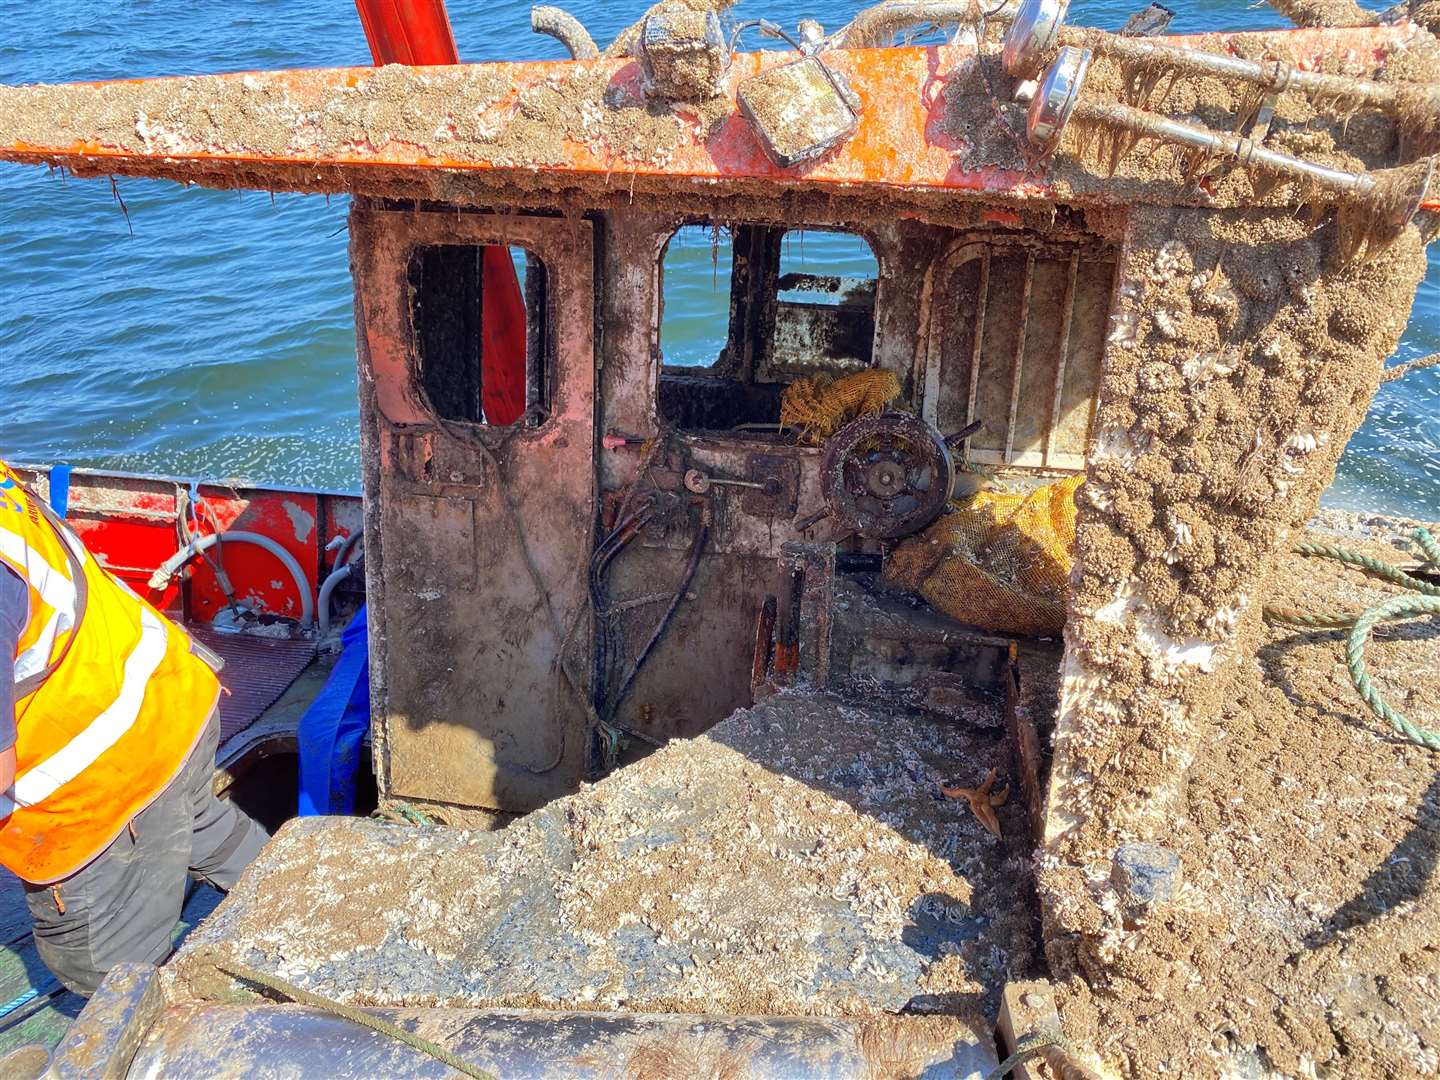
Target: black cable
692, 566
605, 553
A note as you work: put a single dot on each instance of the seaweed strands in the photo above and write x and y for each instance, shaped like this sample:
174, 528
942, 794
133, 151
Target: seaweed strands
1368, 225
1140, 88
1372, 207
1414, 107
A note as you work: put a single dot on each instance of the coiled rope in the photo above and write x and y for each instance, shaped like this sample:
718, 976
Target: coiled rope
1423, 599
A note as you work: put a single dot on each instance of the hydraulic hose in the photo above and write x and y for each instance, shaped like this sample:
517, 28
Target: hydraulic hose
171, 566
327, 587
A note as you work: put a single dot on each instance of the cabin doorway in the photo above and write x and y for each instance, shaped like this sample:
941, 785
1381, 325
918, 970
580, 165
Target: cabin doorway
483, 497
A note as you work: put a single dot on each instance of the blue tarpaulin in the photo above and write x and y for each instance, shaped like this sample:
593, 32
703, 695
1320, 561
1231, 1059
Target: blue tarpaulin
333, 728
60, 490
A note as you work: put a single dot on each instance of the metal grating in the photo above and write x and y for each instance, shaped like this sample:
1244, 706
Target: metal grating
257, 671
1018, 335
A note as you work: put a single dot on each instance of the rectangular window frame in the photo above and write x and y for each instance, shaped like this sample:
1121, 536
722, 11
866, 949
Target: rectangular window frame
747, 356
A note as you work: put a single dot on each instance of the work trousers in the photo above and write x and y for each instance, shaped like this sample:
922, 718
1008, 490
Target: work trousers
124, 904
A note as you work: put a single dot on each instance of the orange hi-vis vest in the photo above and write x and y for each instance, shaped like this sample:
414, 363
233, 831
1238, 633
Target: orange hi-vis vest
110, 699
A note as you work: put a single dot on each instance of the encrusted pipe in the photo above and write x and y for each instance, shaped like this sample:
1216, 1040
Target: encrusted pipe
566, 29
1245, 152
1325, 12
874, 25
1056, 101
1272, 75
1036, 35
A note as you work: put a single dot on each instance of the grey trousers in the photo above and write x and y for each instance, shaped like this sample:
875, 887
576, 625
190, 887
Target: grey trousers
123, 905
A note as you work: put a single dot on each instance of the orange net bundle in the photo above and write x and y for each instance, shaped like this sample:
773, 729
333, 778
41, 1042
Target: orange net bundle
1001, 562
820, 406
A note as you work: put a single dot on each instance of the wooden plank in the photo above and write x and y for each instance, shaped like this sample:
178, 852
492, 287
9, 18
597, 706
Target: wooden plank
22, 971
26, 985
1067, 313
977, 348
1030, 459
46, 1024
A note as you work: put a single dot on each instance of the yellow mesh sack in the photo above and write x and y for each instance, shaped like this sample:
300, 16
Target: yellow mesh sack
1001, 562
820, 406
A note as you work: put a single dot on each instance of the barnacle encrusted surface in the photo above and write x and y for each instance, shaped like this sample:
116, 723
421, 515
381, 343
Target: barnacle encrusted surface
796, 860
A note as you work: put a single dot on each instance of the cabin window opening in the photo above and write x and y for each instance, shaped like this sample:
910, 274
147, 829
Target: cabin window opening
480, 326
746, 309
695, 277
825, 304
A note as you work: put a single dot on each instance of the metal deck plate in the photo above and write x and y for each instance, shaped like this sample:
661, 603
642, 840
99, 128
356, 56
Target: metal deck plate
257, 671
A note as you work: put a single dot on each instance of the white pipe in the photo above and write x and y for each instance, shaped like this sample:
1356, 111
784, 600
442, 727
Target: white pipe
171, 566
326, 588
344, 547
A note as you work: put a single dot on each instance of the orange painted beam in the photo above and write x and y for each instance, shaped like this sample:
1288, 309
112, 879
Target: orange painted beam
902, 140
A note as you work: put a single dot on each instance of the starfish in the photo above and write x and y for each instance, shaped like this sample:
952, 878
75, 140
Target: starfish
982, 800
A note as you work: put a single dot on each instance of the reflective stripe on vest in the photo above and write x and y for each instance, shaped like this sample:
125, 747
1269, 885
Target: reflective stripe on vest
57, 592
101, 733
110, 698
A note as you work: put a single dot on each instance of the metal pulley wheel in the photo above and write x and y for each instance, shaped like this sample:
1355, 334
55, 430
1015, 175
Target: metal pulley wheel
886, 476
1055, 99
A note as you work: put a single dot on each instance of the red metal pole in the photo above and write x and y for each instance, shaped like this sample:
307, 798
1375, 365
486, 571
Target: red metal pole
408, 31
417, 32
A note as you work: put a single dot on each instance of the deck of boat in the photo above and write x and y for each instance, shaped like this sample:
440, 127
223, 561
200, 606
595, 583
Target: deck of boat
35, 1007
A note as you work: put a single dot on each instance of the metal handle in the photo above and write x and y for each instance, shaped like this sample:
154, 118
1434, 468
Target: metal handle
699, 483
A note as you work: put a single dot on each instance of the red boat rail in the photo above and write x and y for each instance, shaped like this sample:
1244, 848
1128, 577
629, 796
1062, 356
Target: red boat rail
131, 524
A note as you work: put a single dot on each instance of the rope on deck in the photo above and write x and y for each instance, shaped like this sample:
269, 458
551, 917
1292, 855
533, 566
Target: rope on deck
1399, 607
1422, 599
15, 1003
236, 970
1059, 1053
1399, 371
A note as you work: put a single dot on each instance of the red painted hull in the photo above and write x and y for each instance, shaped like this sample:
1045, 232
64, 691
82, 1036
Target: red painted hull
129, 522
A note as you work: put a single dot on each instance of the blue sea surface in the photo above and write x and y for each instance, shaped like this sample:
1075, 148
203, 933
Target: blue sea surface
217, 339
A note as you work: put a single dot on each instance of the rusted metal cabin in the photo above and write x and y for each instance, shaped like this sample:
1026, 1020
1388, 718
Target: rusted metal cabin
550, 595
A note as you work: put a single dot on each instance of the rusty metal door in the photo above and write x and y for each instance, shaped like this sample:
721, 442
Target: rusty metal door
477, 582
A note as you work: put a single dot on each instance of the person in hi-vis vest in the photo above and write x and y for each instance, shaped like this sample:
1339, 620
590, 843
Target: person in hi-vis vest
108, 732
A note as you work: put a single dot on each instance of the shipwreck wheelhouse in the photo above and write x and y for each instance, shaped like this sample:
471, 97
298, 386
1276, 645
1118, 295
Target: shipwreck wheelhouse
584, 540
